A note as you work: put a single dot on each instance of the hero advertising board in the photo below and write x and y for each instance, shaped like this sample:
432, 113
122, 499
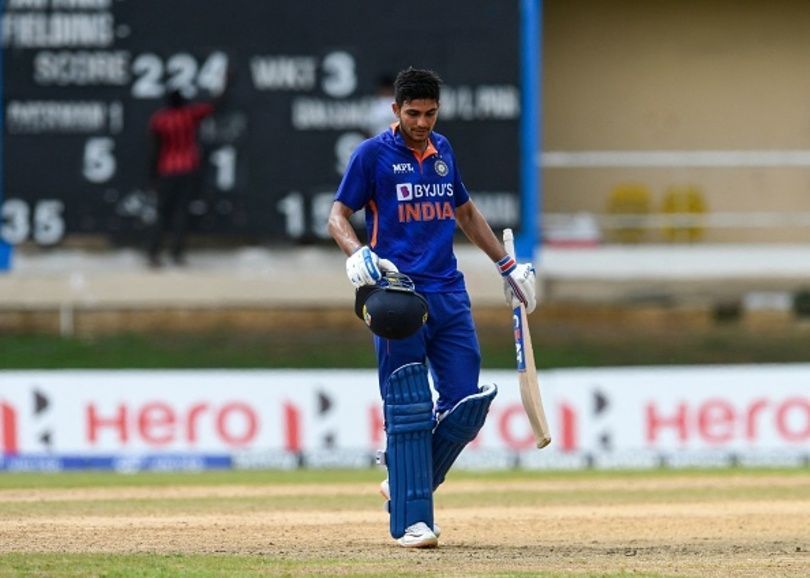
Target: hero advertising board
704, 416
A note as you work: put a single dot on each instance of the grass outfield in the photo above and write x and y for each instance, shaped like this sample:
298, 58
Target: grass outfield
555, 345
331, 523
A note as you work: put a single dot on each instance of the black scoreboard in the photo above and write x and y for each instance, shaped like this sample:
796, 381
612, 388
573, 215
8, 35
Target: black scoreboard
82, 77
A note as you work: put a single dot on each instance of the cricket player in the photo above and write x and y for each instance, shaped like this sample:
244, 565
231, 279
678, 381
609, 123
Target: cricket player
407, 180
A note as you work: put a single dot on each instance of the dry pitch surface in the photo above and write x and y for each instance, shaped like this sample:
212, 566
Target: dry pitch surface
691, 524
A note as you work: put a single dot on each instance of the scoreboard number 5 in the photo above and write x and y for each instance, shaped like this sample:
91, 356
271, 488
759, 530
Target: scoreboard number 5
99, 159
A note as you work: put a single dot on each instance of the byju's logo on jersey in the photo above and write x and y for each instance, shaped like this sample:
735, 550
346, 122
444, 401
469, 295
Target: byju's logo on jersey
410, 191
402, 168
404, 192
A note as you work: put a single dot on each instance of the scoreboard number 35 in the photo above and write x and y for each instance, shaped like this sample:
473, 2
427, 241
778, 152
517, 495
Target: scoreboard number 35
41, 221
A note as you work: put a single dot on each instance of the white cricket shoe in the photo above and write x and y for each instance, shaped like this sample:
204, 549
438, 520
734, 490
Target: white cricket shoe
385, 492
418, 536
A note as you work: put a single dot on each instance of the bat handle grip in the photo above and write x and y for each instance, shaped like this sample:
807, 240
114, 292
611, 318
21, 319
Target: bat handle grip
509, 242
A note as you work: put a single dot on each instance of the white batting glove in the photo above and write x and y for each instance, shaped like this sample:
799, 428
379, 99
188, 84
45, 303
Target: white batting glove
519, 283
364, 267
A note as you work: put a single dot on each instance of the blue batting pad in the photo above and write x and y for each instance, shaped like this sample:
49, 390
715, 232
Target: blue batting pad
457, 428
408, 426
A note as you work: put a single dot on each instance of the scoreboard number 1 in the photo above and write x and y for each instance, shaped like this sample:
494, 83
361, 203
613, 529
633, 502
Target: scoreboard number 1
297, 222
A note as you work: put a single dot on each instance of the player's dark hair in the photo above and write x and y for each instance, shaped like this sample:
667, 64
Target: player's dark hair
416, 83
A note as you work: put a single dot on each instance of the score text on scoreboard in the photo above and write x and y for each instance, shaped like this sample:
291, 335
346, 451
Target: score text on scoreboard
83, 77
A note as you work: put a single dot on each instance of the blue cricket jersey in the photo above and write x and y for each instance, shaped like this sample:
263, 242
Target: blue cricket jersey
410, 206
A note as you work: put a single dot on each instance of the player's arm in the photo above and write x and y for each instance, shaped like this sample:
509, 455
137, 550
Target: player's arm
519, 279
477, 230
341, 229
363, 267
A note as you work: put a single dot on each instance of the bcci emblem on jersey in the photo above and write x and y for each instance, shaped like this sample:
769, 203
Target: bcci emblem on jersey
441, 168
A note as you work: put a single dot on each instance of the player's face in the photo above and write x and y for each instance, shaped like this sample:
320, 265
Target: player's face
416, 119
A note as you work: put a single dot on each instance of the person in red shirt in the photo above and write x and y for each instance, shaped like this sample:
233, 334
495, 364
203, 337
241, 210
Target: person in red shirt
174, 170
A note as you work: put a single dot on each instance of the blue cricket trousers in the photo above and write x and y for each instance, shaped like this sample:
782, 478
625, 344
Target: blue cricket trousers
449, 344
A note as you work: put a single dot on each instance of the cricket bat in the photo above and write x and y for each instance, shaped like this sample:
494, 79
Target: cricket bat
527, 372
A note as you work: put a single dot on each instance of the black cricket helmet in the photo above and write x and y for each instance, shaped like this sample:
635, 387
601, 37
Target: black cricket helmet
392, 308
